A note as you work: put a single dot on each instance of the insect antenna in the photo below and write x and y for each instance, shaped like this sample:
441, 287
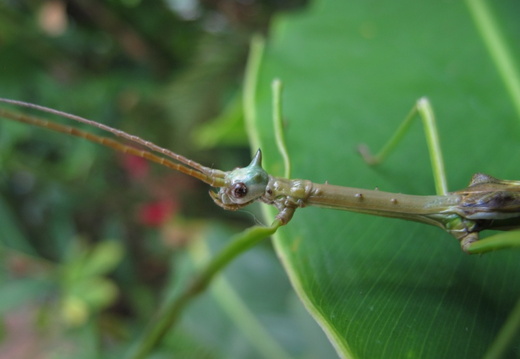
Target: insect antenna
208, 175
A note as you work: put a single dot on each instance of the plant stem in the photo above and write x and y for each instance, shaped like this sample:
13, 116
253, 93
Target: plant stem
171, 312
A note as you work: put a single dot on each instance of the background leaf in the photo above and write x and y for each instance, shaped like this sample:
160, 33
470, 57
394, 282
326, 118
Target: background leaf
384, 288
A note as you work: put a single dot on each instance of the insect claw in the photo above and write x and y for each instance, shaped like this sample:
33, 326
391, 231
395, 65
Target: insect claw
466, 241
366, 154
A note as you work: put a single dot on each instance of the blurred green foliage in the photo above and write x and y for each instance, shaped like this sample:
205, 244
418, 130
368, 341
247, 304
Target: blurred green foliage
90, 236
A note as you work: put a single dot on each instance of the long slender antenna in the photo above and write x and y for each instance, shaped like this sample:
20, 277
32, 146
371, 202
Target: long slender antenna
210, 176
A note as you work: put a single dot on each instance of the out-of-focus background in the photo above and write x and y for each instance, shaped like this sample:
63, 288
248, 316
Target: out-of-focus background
93, 240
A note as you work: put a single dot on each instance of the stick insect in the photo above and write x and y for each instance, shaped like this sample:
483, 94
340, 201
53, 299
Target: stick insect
487, 202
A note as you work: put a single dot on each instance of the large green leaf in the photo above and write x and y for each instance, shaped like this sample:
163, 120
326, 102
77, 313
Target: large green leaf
379, 287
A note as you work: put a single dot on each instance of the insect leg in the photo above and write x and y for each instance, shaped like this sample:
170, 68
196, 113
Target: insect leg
425, 112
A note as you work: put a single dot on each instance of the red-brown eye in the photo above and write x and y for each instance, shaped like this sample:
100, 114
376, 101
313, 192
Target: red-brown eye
239, 190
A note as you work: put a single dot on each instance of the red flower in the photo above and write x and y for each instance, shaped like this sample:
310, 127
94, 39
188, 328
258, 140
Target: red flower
154, 214
136, 167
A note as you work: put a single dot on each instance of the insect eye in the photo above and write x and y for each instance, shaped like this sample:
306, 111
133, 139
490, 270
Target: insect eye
239, 190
